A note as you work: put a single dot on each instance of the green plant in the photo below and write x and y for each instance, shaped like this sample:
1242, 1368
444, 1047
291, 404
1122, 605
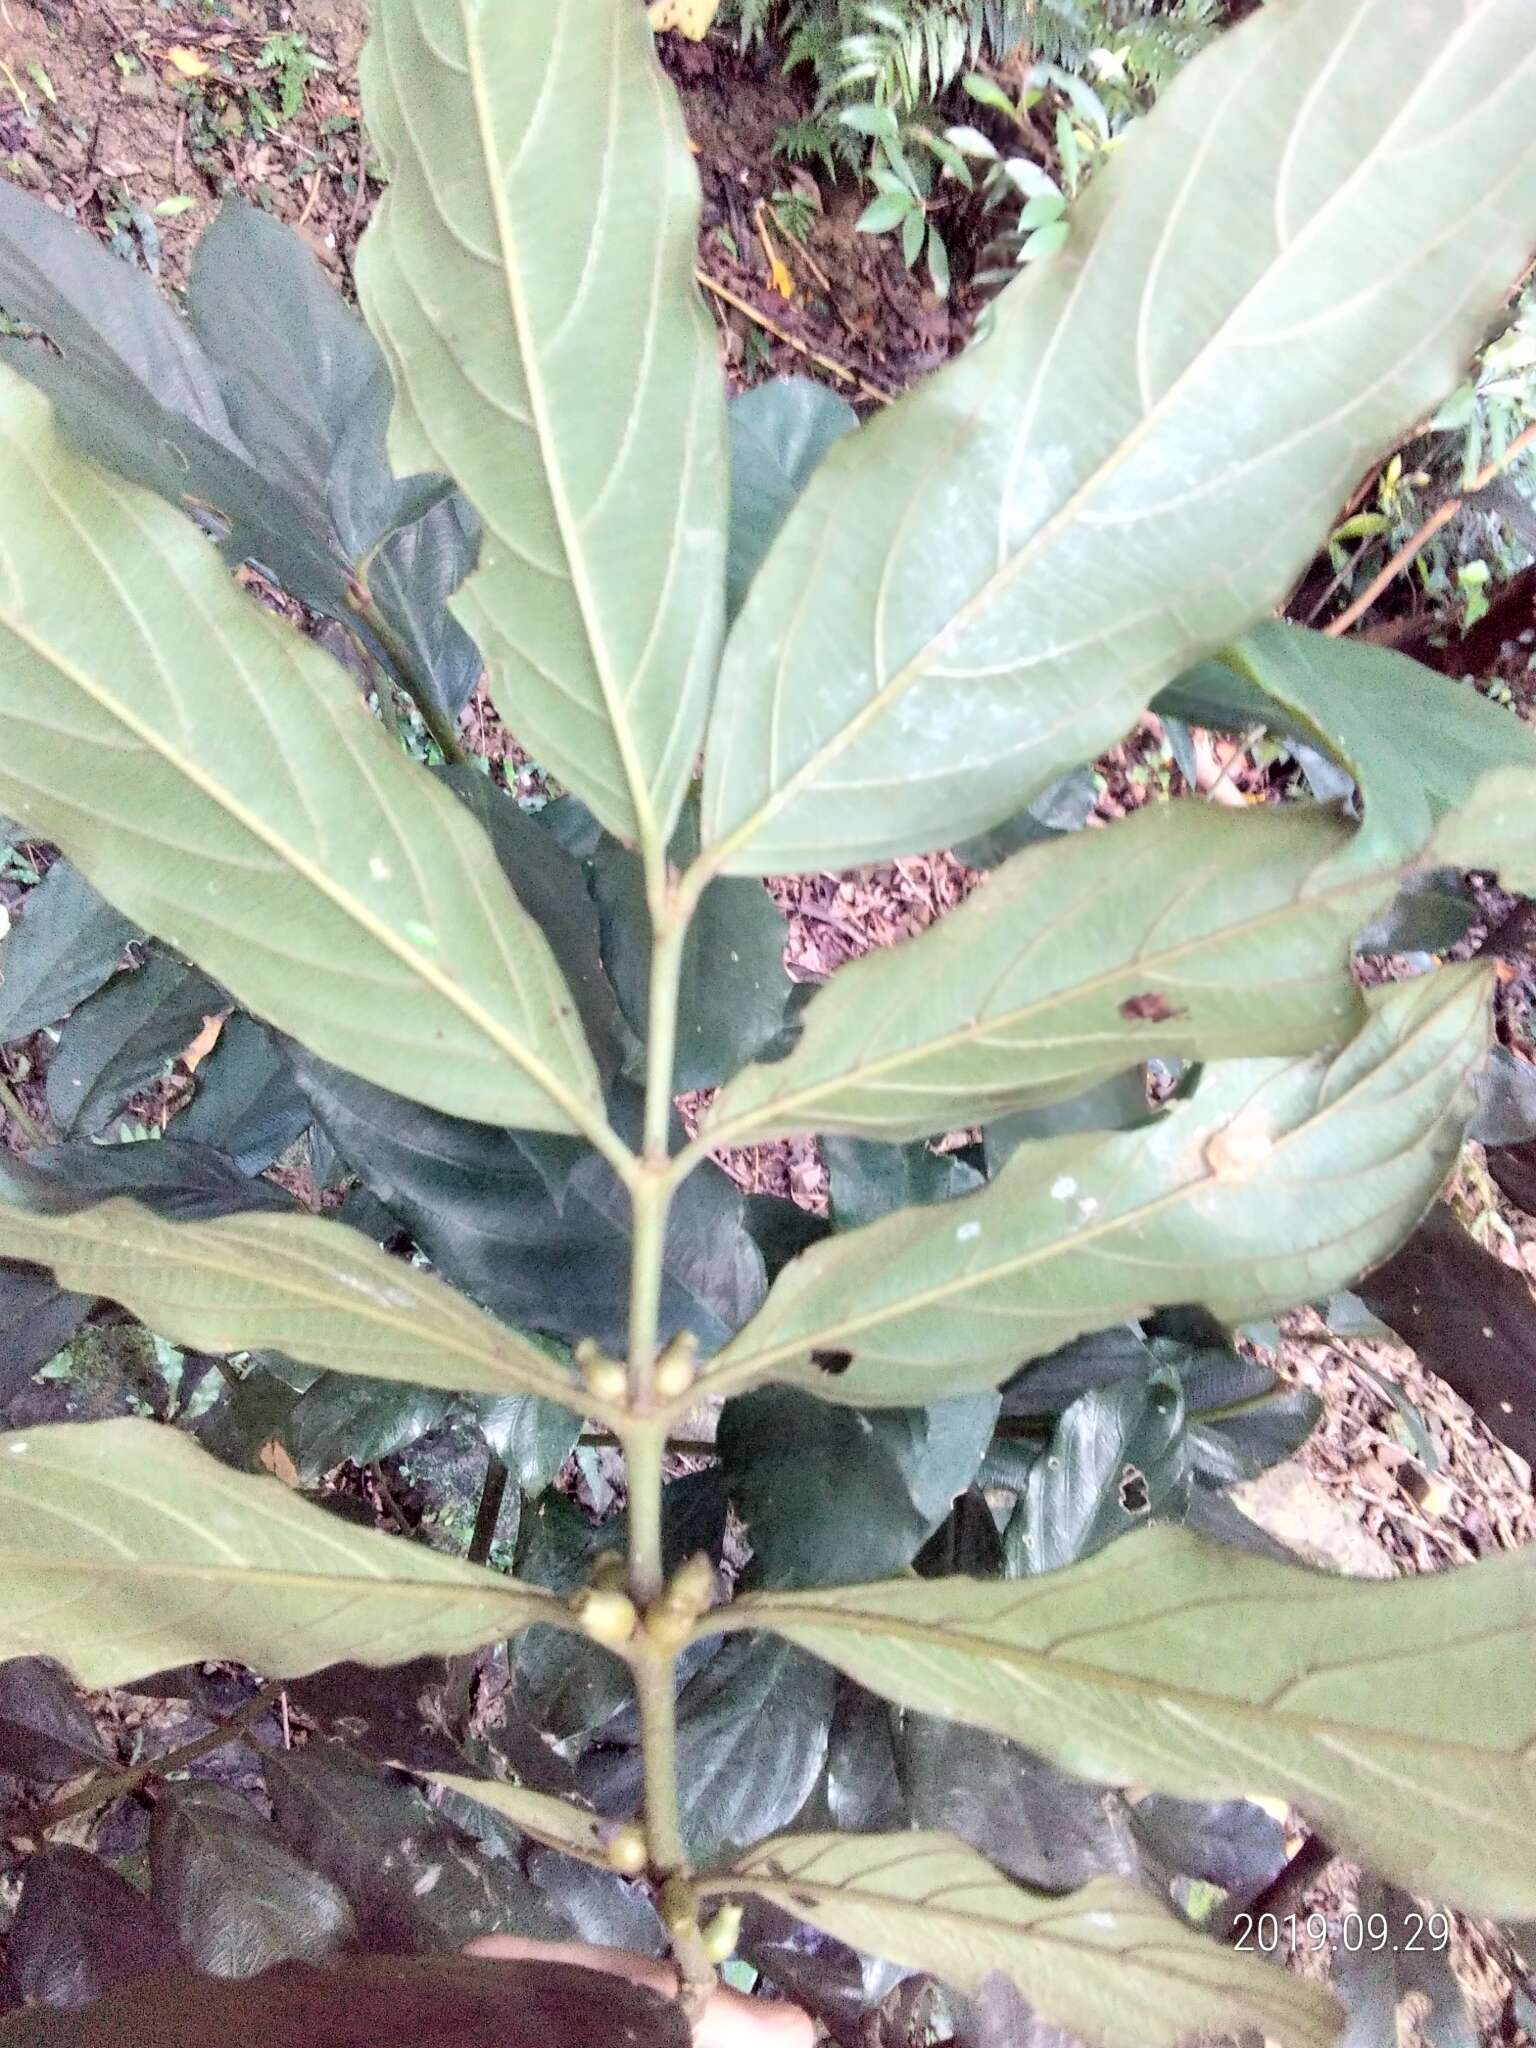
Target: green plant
906, 636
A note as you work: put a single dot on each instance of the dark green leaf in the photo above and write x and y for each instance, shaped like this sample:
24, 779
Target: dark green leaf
733, 988
831, 1495
532, 1437
436, 2002
1470, 1318
1118, 1104
867, 1180
81, 1931
61, 949
342, 1416
779, 432
412, 1880
537, 1228
45, 1731
124, 1037
239, 1900
1430, 913
1116, 1458
751, 1743
183, 1183
395, 1714
37, 1318
551, 888
247, 1103
781, 1230
1506, 1100
1230, 1842
1030, 1819
861, 1788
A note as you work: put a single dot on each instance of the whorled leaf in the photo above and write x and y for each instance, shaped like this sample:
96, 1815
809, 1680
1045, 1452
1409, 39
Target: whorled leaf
1398, 1716
221, 782
310, 1288
1106, 1962
1167, 414
529, 276
1276, 1183
127, 1550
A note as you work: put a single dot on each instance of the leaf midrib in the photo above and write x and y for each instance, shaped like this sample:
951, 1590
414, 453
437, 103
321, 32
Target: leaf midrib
734, 1372
1006, 573
548, 442
307, 870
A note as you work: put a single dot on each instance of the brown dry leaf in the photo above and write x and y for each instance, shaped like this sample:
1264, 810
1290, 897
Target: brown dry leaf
204, 1042
274, 1459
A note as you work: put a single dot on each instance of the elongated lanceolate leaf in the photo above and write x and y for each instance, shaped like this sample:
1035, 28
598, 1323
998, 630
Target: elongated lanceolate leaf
529, 275
315, 1290
1107, 1963
125, 1550
983, 587
1399, 1716
1277, 1183
557, 1823
1188, 931
219, 780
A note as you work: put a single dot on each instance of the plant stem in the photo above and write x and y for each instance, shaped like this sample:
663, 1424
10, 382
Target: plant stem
488, 1514
655, 1693
442, 730
113, 1784
645, 1440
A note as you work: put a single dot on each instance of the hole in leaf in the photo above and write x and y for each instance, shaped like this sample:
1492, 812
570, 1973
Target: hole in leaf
1150, 1008
1135, 1496
832, 1361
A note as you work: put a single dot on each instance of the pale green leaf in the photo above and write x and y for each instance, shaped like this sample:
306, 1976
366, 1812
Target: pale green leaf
529, 275
1275, 275
218, 778
1188, 931
315, 1290
1278, 1182
556, 1823
1107, 1963
126, 1549
1419, 745
1399, 1716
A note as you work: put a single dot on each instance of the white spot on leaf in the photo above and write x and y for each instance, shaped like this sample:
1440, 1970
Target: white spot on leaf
965, 1232
1060, 1189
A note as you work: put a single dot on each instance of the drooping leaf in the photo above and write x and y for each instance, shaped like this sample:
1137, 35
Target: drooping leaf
732, 986
416, 2002
779, 431
37, 1318
237, 1897
129, 1550
537, 1228
45, 1731
247, 1102
1418, 744
124, 1037
1116, 1458
1277, 1182
268, 828
302, 1285
1397, 1715
1168, 413
830, 1495
1469, 1317
1106, 1962
60, 950
81, 1931
576, 398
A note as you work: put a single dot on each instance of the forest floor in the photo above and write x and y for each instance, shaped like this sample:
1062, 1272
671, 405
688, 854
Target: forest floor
138, 117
